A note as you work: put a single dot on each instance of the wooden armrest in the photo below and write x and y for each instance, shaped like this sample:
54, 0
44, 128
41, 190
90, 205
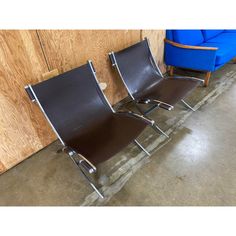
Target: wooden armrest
188, 46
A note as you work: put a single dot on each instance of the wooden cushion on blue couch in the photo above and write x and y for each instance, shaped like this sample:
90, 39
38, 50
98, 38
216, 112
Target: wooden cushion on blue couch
205, 50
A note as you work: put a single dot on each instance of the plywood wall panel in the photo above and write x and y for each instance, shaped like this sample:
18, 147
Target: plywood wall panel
67, 49
25, 55
156, 38
2, 168
23, 129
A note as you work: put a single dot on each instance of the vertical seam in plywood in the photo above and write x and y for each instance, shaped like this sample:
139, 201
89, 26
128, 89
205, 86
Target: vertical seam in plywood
44, 54
141, 35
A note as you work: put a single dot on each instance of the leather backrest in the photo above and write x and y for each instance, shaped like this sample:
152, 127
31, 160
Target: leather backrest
137, 67
208, 34
72, 101
188, 37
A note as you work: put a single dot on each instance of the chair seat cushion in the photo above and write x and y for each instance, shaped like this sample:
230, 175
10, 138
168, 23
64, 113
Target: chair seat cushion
208, 34
170, 90
106, 138
224, 53
226, 38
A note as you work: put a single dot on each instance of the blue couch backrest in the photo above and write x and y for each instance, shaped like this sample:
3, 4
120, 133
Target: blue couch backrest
188, 37
208, 34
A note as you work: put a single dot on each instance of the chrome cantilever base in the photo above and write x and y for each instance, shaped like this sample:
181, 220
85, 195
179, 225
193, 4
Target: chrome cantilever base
155, 126
90, 182
187, 105
82, 171
141, 147
84, 168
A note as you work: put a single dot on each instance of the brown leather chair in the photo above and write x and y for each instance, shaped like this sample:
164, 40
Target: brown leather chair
144, 81
83, 120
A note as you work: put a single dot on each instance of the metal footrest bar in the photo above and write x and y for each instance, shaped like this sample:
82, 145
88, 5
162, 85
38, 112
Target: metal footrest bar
187, 105
156, 127
141, 147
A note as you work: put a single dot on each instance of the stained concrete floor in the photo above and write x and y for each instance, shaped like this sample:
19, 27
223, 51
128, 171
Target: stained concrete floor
196, 166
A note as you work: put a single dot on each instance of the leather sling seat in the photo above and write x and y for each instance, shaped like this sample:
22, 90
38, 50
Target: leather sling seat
144, 80
82, 117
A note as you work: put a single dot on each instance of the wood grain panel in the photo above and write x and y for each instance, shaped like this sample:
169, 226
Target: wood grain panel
2, 168
67, 49
25, 55
23, 129
156, 38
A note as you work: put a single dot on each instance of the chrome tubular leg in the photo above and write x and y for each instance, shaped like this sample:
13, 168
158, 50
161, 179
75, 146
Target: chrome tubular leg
91, 183
87, 178
187, 105
141, 147
156, 127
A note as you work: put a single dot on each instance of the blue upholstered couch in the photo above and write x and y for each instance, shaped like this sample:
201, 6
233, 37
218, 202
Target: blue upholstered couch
204, 50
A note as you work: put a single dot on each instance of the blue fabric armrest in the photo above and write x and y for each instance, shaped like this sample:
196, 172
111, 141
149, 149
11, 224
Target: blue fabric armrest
197, 59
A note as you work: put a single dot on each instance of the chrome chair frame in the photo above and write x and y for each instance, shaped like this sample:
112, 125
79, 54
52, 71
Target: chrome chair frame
84, 165
156, 103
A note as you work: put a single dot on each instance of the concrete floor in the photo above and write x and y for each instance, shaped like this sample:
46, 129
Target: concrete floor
196, 166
